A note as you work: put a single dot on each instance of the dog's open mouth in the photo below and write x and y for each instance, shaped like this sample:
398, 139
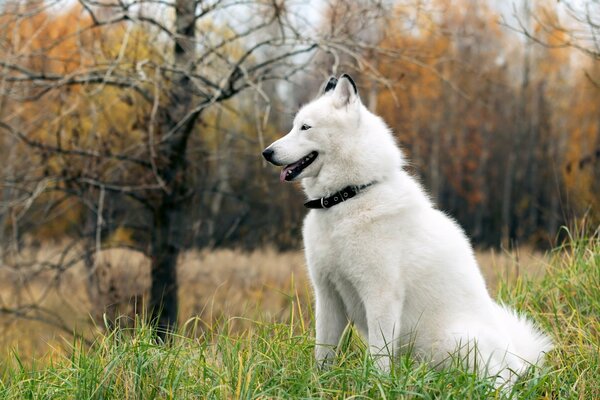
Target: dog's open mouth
289, 172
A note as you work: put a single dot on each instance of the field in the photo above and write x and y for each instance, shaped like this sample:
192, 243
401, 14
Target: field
246, 332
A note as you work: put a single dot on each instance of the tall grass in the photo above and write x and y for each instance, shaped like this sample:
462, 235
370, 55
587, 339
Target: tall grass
275, 359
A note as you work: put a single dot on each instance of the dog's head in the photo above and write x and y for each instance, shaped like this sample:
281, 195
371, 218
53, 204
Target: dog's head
336, 142
317, 129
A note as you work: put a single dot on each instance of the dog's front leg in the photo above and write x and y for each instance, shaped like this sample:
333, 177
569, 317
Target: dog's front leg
330, 323
383, 319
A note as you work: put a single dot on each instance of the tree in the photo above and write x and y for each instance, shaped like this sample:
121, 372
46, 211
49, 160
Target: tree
70, 76
489, 136
575, 25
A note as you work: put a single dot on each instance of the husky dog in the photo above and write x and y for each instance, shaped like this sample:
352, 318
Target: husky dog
382, 256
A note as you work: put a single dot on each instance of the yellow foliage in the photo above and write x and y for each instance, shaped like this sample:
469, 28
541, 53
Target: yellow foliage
121, 236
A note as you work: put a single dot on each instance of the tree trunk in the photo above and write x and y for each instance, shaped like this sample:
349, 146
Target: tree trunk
510, 179
535, 153
434, 164
167, 230
164, 253
372, 99
482, 206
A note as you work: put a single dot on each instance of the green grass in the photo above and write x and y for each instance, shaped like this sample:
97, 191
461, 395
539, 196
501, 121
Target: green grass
274, 360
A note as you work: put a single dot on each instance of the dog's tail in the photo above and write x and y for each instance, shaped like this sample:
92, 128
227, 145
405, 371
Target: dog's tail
529, 343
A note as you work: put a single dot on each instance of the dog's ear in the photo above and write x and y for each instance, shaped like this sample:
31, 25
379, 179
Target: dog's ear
345, 92
328, 85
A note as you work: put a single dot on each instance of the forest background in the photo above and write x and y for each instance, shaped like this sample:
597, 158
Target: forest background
131, 134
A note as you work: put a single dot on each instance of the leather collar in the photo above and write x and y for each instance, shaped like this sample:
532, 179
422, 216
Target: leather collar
338, 197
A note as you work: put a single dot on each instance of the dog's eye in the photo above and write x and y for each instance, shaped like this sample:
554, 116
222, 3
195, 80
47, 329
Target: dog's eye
305, 127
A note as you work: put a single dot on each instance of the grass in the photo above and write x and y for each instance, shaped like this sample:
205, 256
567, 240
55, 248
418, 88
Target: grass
240, 358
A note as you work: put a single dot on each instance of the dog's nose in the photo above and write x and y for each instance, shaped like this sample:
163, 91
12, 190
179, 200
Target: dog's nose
268, 154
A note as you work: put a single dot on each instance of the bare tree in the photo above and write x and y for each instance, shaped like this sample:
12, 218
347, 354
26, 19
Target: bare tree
574, 24
196, 56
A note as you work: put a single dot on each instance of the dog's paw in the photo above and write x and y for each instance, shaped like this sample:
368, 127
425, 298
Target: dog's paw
324, 356
382, 363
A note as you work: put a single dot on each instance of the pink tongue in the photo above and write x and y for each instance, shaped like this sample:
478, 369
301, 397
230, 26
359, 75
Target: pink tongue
284, 172
287, 168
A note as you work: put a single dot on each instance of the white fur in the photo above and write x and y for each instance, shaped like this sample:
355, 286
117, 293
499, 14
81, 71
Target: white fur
387, 260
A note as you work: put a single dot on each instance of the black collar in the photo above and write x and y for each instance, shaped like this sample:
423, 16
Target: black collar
346, 193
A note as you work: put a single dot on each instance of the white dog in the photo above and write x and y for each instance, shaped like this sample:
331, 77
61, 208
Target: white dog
380, 255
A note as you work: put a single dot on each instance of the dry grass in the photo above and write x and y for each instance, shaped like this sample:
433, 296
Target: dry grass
507, 266
214, 286
275, 360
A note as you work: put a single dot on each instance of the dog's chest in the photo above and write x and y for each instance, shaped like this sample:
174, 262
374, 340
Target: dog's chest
331, 243
321, 235
335, 258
